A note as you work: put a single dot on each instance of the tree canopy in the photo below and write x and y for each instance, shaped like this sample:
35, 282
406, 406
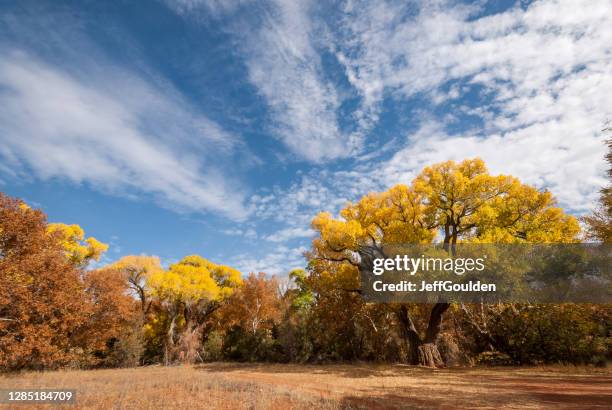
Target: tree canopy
42, 300
57, 310
78, 249
448, 202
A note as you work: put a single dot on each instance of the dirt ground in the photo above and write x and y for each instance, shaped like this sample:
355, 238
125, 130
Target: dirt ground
266, 386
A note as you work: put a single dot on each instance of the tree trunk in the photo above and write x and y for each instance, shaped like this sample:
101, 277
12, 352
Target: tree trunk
429, 355
423, 352
410, 334
169, 344
435, 322
447, 237
454, 235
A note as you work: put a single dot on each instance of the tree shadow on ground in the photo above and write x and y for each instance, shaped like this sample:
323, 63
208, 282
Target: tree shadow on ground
351, 370
402, 386
398, 398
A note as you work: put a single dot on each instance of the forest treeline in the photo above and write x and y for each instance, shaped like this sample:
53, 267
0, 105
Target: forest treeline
56, 312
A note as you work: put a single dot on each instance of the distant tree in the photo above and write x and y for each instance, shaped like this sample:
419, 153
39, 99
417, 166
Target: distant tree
251, 316
301, 295
599, 223
553, 333
188, 293
255, 304
42, 299
112, 316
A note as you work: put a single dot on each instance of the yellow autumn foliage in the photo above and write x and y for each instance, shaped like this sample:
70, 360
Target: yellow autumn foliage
194, 279
455, 202
139, 264
79, 250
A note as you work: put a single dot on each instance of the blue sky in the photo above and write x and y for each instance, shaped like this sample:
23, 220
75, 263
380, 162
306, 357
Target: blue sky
222, 127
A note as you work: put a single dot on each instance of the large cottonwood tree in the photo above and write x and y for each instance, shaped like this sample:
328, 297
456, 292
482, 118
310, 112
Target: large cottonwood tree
448, 202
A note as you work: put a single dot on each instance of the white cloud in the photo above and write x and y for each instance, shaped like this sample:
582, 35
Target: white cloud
296, 206
279, 261
281, 48
287, 234
248, 233
215, 7
286, 69
546, 75
113, 130
570, 172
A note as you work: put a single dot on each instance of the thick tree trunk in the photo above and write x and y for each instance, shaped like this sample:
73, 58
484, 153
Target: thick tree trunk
435, 322
447, 237
429, 355
410, 334
423, 352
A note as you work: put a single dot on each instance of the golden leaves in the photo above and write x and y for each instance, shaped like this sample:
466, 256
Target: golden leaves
79, 250
451, 201
193, 279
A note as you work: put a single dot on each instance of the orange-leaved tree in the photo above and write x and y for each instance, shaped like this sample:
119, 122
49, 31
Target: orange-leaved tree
113, 319
42, 300
255, 304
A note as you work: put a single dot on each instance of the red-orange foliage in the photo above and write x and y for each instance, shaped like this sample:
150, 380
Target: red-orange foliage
256, 304
42, 299
111, 311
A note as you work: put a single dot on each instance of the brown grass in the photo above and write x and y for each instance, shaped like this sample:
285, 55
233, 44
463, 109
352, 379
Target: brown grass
275, 386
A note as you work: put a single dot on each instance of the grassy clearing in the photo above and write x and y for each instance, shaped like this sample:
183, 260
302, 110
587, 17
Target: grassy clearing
272, 386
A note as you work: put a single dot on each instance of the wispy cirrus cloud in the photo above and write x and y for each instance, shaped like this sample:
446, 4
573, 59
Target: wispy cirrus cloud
278, 261
282, 49
286, 68
81, 117
535, 81
288, 234
406, 48
215, 7
533, 154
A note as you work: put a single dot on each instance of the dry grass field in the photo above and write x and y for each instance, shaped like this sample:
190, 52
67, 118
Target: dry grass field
264, 386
